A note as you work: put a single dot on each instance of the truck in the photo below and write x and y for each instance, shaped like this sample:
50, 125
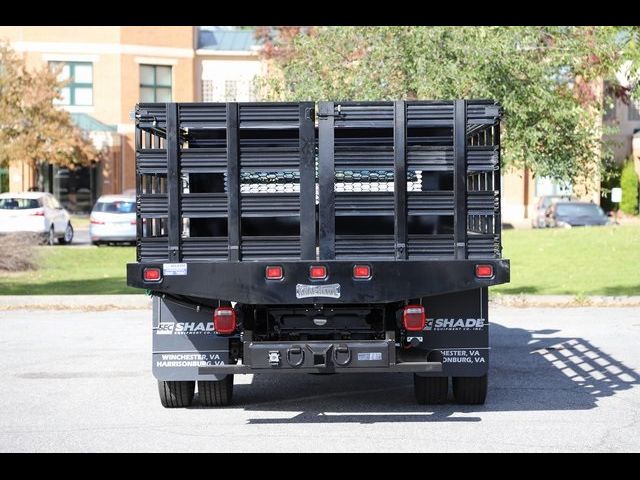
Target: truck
320, 238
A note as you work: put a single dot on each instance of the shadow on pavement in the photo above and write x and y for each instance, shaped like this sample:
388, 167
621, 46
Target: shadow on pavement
530, 370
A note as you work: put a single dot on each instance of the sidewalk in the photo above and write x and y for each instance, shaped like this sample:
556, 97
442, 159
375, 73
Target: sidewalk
562, 301
143, 302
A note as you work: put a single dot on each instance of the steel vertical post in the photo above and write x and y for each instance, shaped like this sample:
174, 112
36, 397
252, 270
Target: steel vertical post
326, 174
233, 182
174, 184
400, 178
460, 179
307, 133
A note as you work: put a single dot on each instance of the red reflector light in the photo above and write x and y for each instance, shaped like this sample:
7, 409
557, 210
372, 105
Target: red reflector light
413, 318
152, 274
224, 320
318, 272
361, 271
274, 272
484, 271
96, 221
38, 213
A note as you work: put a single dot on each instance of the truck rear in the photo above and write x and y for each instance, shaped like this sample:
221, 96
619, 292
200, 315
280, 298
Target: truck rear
318, 238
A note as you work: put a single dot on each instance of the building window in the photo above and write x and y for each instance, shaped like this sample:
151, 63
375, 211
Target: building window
4, 180
548, 186
79, 87
208, 91
230, 90
155, 83
610, 109
634, 111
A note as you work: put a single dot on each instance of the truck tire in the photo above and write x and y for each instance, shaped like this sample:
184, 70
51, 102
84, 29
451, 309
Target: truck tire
174, 394
470, 390
430, 390
216, 393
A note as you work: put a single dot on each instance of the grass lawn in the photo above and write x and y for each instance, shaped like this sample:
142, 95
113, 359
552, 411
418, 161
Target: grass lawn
579, 261
73, 271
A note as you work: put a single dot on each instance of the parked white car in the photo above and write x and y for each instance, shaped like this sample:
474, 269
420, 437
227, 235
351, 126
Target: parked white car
113, 219
35, 212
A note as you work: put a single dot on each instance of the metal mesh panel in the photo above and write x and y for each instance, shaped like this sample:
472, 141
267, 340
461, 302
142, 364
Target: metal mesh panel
346, 181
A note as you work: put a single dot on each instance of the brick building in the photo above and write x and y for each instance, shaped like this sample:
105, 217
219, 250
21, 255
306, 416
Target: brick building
113, 68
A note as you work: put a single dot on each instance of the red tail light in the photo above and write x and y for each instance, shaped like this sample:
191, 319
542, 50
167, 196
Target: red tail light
484, 271
361, 271
318, 272
95, 221
133, 222
39, 213
224, 320
413, 318
152, 274
274, 272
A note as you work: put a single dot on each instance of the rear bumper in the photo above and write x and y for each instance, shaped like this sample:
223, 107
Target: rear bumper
25, 224
391, 281
112, 238
112, 234
405, 367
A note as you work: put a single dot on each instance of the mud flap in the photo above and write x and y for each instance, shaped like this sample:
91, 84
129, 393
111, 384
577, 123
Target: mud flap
457, 332
184, 341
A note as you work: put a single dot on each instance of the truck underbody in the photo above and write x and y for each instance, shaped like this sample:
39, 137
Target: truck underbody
361, 241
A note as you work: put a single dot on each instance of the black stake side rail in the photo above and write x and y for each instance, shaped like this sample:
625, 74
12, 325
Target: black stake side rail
172, 122
391, 281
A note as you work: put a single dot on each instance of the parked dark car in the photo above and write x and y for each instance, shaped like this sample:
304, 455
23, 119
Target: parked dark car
542, 205
575, 214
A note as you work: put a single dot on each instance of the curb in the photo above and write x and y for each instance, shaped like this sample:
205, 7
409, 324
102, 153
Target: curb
75, 302
143, 302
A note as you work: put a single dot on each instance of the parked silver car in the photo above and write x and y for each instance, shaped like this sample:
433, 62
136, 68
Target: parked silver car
113, 220
35, 212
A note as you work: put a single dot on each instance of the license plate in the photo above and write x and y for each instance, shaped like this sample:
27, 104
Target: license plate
308, 291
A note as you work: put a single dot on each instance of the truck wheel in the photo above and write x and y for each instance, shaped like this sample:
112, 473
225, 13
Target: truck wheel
176, 394
470, 390
216, 393
430, 390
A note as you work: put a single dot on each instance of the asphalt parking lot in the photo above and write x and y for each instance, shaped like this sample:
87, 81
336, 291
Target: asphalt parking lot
560, 380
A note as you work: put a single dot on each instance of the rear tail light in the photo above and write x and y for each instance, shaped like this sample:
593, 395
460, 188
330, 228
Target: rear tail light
95, 221
484, 271
413, 318
224, 320
133, 222
318, 272
274, 272
152, 274
39, 213
361, 271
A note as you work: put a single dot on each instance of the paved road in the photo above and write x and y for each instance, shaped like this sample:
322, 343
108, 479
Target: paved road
565, 379
81, 237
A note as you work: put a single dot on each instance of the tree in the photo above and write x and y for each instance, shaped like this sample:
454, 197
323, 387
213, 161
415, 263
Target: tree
32, 129
548, 79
